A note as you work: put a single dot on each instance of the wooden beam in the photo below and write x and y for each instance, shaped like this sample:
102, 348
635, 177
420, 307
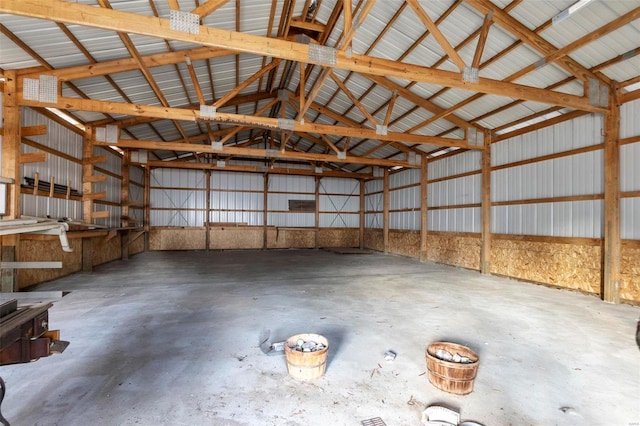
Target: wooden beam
33, 157
253, 152
242, 120
265, 211
353, 98
207, 212
361, 215
532, 39
347, 15
437, 34
485, 249
424, 191
11, 146
87, 172
173, 4
110, 19
390, 106
208, 8
232, 93
385, 210
30, 130
482, 40
612, 243
317, 213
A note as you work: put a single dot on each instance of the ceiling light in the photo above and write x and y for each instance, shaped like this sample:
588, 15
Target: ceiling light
569, 11
66, 117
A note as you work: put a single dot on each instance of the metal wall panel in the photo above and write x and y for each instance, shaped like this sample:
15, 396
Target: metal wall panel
454, 220
577, 133
629, 123
292, 183
630, 218
179, 198
242, 181
462, 163
580, 174
373, 220
568, 219
297, 220
405, 220
33, 205
464, 190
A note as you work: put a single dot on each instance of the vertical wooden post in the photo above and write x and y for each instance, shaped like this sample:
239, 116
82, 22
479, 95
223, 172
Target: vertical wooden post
147, 206
485, 249
612, 242
423, 208
317, 214
207, 214
362, 215
11, 169
265, 213
87, 173
125, 202
385, 214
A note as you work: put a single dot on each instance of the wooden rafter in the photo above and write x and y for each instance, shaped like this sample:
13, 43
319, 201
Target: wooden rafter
482, 40
437, 34
240, 87
353, 98
208, 8
532, 39
133, 23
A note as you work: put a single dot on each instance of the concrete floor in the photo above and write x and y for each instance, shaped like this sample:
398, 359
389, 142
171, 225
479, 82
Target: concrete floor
172, 339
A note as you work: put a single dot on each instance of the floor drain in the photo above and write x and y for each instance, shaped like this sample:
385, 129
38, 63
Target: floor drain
376, 421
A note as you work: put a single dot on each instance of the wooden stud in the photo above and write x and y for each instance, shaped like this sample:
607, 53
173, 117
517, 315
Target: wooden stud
485, 250
207, 213
265, 212
362, 216
124, 188
36, 182
30, 130
317, 213
11, 145
424, 182
385, 219
147, 206
612, 243
33, 157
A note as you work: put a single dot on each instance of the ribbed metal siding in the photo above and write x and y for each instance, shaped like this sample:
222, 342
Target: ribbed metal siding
405, 198
629, 173
340, 197
181, 197
454, 220
245, 205
374, 202
278, 204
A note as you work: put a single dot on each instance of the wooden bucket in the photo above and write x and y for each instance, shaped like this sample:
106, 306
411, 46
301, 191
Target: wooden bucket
306, 365
449, 376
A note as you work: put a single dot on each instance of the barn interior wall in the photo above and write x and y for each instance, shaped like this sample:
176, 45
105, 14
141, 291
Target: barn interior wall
236, 211
547, 207
63, 166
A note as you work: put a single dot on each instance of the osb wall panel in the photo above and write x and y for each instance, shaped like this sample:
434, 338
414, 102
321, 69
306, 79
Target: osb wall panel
137, 246
457, 249
236, 238
573, 266
47, 251
374, 239
405, 243
338, 237
177, 239
292, 238
106, 251
630, 271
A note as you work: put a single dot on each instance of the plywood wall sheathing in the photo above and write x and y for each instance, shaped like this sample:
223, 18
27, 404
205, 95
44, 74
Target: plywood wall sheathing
630, 272
452, 248
374, 239
405, 243
177, 239
338, 237
572, 266
104, 252
44, 251
239, 238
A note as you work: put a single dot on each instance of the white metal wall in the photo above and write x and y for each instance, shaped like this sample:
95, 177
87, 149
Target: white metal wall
339, 203
136, 193
459, 191
62, 170
283, 188
237, 198
580, 174
629, 170
373, 203
404, 195
177, 197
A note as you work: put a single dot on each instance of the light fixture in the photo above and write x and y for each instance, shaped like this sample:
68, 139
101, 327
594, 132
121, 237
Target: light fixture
569, 11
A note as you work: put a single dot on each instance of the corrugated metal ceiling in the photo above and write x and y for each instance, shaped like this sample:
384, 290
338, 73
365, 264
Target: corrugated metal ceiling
391, 31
